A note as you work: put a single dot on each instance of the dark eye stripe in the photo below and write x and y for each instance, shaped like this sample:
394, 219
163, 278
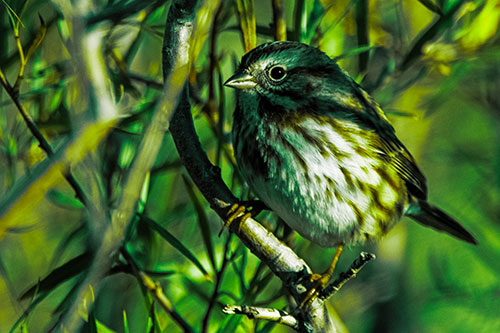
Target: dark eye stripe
319, 71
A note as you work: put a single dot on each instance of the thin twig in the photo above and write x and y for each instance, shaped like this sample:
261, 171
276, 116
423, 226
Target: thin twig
26, 117
356, 266
218, 280
13, 92
212, 106
148, 82
44, 144
157, 292
361, 16
22, 59
253, 312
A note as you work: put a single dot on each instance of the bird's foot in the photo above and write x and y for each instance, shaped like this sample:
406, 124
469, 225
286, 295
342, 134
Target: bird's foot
242, 211
318, 282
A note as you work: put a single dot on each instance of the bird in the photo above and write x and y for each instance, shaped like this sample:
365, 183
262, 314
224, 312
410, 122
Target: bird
320, 152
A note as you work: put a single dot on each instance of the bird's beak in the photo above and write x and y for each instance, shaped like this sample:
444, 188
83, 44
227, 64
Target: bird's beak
241, 80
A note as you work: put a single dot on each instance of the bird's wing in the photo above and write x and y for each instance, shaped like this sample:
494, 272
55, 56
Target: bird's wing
394, 152
401, 160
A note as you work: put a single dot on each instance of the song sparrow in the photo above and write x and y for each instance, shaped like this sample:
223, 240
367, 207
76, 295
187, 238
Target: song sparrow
320, 152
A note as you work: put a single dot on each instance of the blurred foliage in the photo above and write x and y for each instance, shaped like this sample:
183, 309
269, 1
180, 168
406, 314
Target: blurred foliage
434, 66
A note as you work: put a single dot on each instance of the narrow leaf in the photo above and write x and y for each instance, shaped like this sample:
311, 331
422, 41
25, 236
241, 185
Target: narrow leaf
230, 324
40, 35
354, 52
26, 312
60, 274
61, 247
92, 326
315, 17
434, 30
63, 200
152, 321
172, 240
300, 21
125, 322
12, 13
430, 5
70, 296
202, 221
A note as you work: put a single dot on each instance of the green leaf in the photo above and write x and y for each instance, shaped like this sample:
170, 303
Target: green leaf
202, 221
172, 240
4, 273
430, 5
230, 324
433, 31
268, 327
26, 312
125, 322
62, 245
101, 328
40, 35
197, 289
12, 146
12, 13
300, 25
152, 321
354, 52
143, 199
62, 273
128, 270
314, 20
92, 325
70, 296
263, 282
63, 200
132, 268
399, 113
240, 270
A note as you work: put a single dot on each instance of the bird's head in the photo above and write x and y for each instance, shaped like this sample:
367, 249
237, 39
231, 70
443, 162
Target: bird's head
287, 73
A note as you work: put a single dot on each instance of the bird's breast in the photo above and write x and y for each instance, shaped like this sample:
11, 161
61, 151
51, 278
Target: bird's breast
321, 176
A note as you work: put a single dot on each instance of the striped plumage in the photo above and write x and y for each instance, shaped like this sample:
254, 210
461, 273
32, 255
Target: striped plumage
319, 151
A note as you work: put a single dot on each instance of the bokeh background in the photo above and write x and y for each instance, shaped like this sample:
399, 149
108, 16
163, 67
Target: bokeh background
434, 66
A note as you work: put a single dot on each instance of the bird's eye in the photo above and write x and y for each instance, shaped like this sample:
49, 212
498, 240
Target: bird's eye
277, 73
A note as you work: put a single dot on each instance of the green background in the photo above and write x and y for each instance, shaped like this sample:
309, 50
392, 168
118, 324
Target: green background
443, 99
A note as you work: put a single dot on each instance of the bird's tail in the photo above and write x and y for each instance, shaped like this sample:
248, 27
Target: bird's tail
431, 216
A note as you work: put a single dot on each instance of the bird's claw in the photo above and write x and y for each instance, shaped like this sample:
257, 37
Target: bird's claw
242, 211
237, 210
318, 282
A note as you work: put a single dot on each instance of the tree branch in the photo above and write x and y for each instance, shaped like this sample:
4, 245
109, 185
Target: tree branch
357, 265
279, 20
157, 292
253, 312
